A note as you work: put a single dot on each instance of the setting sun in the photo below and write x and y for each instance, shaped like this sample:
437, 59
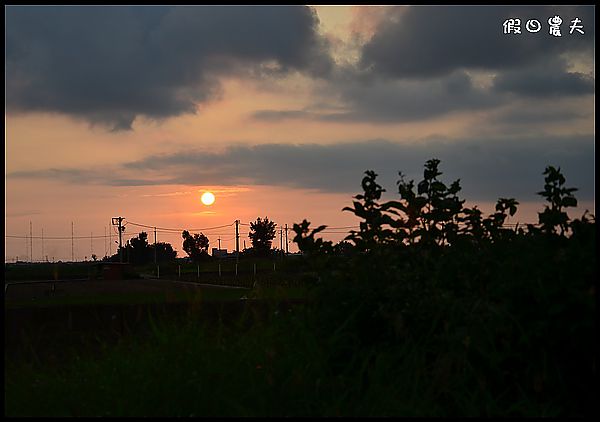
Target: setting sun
207, 198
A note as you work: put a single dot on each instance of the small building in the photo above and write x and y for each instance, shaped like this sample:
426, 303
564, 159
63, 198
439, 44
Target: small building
219, 253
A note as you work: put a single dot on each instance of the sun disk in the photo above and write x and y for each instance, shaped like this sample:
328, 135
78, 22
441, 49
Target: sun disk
207, 198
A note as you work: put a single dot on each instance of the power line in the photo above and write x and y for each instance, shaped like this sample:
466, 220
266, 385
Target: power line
180, 229
54, 237
167, 231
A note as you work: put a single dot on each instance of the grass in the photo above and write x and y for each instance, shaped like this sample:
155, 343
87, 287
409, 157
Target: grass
511, 339
192, 295
276, 366
131, 298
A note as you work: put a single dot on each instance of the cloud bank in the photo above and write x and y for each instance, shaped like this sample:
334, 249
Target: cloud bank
111, 64
488, 169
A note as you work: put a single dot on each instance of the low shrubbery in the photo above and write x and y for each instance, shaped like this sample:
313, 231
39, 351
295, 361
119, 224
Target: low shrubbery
505, 315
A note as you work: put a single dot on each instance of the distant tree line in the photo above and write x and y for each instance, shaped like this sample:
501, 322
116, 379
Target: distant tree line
137, 250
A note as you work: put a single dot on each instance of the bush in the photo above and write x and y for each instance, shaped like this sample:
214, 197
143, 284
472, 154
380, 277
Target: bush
499, 314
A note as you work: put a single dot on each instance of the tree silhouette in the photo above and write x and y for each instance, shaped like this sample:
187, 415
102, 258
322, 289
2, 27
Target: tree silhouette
262, 232
164, 252
140, 252
196, 246
139, 249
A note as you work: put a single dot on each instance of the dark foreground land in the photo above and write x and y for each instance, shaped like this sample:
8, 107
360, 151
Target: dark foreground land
163, 348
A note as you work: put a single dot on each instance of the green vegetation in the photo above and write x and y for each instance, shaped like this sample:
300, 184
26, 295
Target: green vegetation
432, 309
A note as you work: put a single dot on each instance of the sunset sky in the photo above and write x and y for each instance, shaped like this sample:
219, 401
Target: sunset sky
136, 111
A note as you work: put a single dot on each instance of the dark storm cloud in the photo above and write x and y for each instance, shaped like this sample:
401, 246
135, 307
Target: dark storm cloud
545, 80
423, 41
421, 60
404, 101
488, 168
388, 101
109, 65
515, 117
84, 177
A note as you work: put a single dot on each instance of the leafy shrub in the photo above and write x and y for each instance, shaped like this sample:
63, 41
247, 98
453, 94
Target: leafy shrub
506, 314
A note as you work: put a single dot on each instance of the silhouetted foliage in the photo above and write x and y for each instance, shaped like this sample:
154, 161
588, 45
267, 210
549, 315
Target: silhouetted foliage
343, 248
559, 198
505, 312
262, 233
137, 250
164, 252
196, 246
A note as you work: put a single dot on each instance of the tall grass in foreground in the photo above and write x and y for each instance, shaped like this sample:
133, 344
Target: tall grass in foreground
275, 368
288, 364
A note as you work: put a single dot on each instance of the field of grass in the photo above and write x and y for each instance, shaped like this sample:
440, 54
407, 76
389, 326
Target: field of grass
274, 366
278, 367
509, 334
130, 298
24, 294
46, 357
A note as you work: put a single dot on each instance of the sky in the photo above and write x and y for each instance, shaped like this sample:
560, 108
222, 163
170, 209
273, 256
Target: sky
135, 111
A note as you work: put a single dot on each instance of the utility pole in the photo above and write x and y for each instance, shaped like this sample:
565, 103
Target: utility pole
219, 242
117, 221
286, 240
237, 238
105, 251
154, 245
91, 244
109, 242
30, 242
72, 244
43, 243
